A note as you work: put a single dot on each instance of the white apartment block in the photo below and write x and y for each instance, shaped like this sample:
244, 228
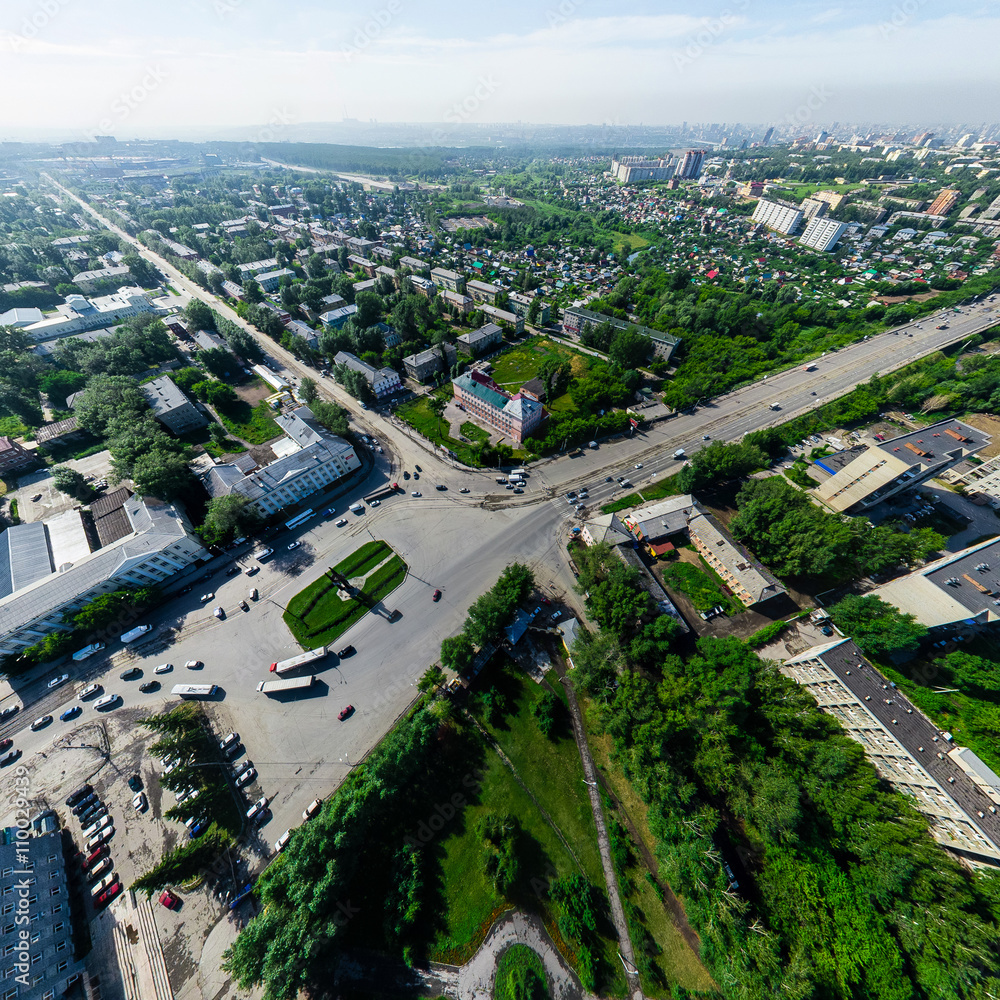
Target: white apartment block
784, 219
822, 234
79, 314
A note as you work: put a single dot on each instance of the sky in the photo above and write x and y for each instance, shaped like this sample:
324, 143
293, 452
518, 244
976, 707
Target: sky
143, 68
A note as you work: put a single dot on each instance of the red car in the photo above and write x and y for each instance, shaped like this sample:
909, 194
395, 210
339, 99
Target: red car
170, 900
4, 744
108, 895
94, 858
346, 713
437, 595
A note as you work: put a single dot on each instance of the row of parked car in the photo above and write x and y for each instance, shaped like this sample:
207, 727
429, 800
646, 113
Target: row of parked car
97, 828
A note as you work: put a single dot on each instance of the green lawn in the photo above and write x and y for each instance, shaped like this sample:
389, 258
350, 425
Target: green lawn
255, 425
698, 586
421, 417
552, 772
474, 432
656, 491
512, 369
331, 616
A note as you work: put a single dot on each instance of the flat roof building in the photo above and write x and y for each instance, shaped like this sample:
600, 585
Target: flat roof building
953, 789
314, 459
477, 342
172, 407
158, 545
575, 318
863, 476
822, 234
784, 219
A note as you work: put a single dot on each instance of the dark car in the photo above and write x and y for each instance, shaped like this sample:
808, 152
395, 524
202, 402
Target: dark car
82, 804
10, 756
346, 652
232, 571
135, 783
608, 479
437, 596
130, 674
6, 744
345, 713
440, 486
75, 797
71, 713
149, 687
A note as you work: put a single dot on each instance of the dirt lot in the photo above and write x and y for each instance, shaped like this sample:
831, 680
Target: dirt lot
253, 392
991, 425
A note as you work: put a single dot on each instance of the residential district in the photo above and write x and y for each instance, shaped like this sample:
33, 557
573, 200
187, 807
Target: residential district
597, 555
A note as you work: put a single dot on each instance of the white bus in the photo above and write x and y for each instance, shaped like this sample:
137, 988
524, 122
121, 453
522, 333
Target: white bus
194, 690
300, 518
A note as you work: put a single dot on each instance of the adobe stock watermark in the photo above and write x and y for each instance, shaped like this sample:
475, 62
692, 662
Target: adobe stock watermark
462, 111
561, 14
818, 96
443, 812
21, 882
270, 131
36, 22
707, 35
129, 100
899, 17
372, 29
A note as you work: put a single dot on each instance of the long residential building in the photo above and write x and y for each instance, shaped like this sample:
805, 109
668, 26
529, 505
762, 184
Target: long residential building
171, 406
426, 363
384, 381
575, 318
955, 790
632, 169
444, 278
483, 291
47, 569
865, 475
86, 280
516, 417
822, 234
784, 219
310, 458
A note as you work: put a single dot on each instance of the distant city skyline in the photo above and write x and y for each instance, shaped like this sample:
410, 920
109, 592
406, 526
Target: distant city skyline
113, 67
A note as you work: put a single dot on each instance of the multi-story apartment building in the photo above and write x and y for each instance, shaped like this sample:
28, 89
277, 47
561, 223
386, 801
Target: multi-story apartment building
516, 417
270, 281
483, 291
689, 165
503, 317
631, 169
79, 314
39, 586
384, 381
520, 304
955, 790
944, 202
749, 581
865, 475
576, 318
86, 280
459, 302
13, 456
822, 234
784, 219
172, 407
478, 342
256, 267
421, 366
36, 941
310, 458
444, 278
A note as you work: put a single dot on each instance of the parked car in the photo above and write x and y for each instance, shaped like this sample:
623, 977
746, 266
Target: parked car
139, 802
71, 713
163, 668
40, 723
464, 489
228, 741
437, 596
57, 681
232, 571
244, 606
135, 783
107, 896
107, 701
517, 489
9, 757
205, 598
130, 674
282, 842
253, 594
345, 713
341, 522
219, 613
169, 900
9, 711
101, 868
149, 687
311, 809
257, 810
346, 652
246, 777
416, 493
83, 803
293, 545
440, 486
245, 765
95, 827
194, 664
93, 858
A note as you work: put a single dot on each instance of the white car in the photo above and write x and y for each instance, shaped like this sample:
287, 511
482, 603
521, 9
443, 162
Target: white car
258, 808
99, 825
194, 664
638, 465
282, 842
219, 613
375, 503
229, 741
139, 802
89, 691
311, 809
58, 681
205, 598
293, 545
107, 701
341, 523
246, 777
102, 835
416, 493
464, 489
163, 668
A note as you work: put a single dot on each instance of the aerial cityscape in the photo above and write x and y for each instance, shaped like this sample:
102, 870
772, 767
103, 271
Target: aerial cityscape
499, 507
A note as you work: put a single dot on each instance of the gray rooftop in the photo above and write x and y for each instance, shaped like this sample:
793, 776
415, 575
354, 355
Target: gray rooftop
164, 395
24, 557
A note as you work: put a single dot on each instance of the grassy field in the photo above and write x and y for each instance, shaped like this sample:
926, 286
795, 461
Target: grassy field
698, 586
475, 432
553, 775
657, 491
331, 616
515, 966
512, 369
255, 425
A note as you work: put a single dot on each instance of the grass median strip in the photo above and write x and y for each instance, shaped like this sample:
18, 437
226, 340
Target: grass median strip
318, 614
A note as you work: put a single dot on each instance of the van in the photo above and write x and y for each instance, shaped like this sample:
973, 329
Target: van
358, 508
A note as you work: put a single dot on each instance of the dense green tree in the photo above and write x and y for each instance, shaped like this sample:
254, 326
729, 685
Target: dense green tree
59, 384
881, 630
164, 475
71, 482
630, 348
107, 398
227, 518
